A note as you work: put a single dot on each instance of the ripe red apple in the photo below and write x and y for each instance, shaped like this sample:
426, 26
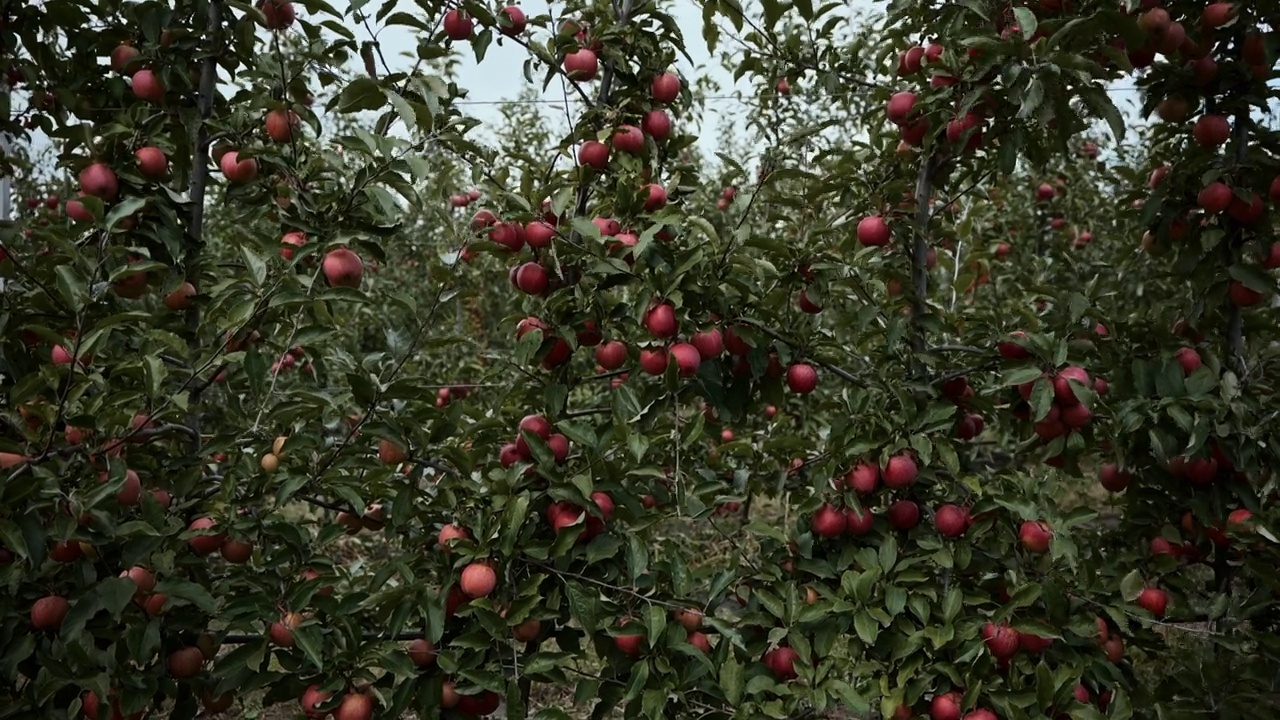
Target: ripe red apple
1046, 192
594, 153
653, 360
901, 106
236, 552
282, 124
581, 64
980, 714
687, 358
951, 520
559, 445
1062, 390
1113, 479
660, 321
628, 139
782, 87
1217, 14
665, 88
313, 698
146, 86
611, 355
531, 278
206, 544
710, 343
478, 580
48, 612
802, 378
510, 235
1212, 131
449, 533
355, 706
342, 268
539, 234
278, 14
945, 706
1244, 296
1189, 359
236, 170
1001, 640
534, 425
458, 25
864, 478
422, 652
828, 522
181, 298
655, 197
656, 124
99, 181
900, 471
124, 58
781, 662
1215, 198
290, 242
873, 231
629, 645
185, 662
904, 514
1035, 536
152, 162
1153, 600
511, 21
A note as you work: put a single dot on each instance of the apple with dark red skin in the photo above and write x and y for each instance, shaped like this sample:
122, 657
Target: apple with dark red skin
100, 181
594, 153
342, 268
1001, 640
901, 107
656, 124
152, 162
873, 231
146, 86
458, 25
828, 522
710, 343
864, 478
534, 425
355, 706
687, 358
900, 471
1113, 479
512, 21
628, 139
531, 278
478, 580
653, 360
448, 534
660, 321
781, 662
539, 234
904, 514
945, 706
1153, 600
1035, 536
581, 64
1211, 131
185, 662
802, 378
1062, 390
951, 520
665, 88
238, 171
277, 14
611, 355
630, 645
48, 612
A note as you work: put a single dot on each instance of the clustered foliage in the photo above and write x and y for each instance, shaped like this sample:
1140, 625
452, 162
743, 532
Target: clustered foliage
923, 398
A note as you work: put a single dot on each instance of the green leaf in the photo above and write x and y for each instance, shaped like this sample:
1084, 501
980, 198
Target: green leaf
1041, 399
1131, 586
116, 593
866, 627
731, 679
1027, 22
361, 94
